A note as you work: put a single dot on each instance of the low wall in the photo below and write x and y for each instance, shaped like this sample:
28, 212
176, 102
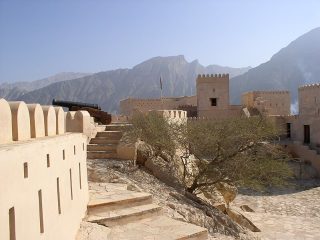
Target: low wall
306, 154
173, 116
43, 173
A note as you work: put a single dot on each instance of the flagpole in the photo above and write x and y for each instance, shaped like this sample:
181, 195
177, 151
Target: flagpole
161, 93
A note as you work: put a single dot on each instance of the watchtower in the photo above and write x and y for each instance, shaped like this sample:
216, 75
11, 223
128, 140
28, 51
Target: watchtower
212, 93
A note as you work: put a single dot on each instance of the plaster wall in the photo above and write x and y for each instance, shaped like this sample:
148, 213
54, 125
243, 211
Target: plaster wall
50, 120
212, 86
43, 181
5, 122
60, 120
130, 105
36, 120
29, 166
20, 121
309, 100
297, 129
268, 102
80, 121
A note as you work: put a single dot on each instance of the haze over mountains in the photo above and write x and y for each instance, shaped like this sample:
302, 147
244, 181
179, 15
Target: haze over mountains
16, 89
108, 88
295, 65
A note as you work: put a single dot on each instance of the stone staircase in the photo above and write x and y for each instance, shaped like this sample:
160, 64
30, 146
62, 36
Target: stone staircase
105, 143
132, 216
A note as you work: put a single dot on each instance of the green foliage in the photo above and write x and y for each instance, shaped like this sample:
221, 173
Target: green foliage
239, 151
154, 130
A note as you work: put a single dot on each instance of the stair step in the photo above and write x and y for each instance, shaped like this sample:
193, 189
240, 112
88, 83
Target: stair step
116, 127
115, 186
124, 215
119, 123
158, 228
101, 154
116, 200
109, 134
104, 141
102, 147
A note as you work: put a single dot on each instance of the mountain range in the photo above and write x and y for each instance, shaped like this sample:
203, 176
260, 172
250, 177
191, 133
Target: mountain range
295, 65
142, 81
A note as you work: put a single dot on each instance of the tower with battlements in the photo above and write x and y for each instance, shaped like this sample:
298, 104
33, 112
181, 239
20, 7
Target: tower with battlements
213, 96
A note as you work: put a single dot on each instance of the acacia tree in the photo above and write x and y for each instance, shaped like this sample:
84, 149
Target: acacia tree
153, 130
238, 151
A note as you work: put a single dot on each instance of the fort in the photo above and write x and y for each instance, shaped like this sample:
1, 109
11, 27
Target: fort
302, 131
45, 151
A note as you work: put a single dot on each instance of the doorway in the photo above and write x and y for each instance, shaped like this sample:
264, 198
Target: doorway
306, 134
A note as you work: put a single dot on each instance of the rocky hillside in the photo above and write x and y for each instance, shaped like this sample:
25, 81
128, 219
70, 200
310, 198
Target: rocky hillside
293, 66
108, 88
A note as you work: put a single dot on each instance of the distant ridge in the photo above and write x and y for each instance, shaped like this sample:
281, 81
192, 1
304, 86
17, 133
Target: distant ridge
108, 88
17, 89
293, 66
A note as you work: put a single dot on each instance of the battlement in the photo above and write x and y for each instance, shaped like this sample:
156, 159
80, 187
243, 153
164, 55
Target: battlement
309, 86
224, 75
157, 99
267, 92
46, 165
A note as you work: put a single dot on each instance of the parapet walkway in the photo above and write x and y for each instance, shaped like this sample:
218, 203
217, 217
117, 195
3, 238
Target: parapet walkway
132, 216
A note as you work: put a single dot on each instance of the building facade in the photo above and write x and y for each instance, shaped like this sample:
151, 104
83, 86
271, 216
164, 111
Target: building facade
268, 102
213, 97
130, 105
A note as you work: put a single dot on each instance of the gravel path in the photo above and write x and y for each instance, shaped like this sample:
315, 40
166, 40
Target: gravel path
292, 214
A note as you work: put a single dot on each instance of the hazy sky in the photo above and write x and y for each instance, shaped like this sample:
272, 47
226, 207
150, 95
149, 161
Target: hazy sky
41, 37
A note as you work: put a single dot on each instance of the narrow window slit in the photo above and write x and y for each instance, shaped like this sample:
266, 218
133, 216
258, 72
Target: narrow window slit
80, 176
48, 160
71, 192
40, 211
63, 154
74, 149
25, 170
58, 196
12, 224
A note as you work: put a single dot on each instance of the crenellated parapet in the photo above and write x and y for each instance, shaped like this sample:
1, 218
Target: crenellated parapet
20, 121
223, 75
48, 166
309, 86
268, 92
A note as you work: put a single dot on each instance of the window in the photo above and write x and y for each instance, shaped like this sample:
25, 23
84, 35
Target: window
306, 129
12, 224
288, 130
213, 101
